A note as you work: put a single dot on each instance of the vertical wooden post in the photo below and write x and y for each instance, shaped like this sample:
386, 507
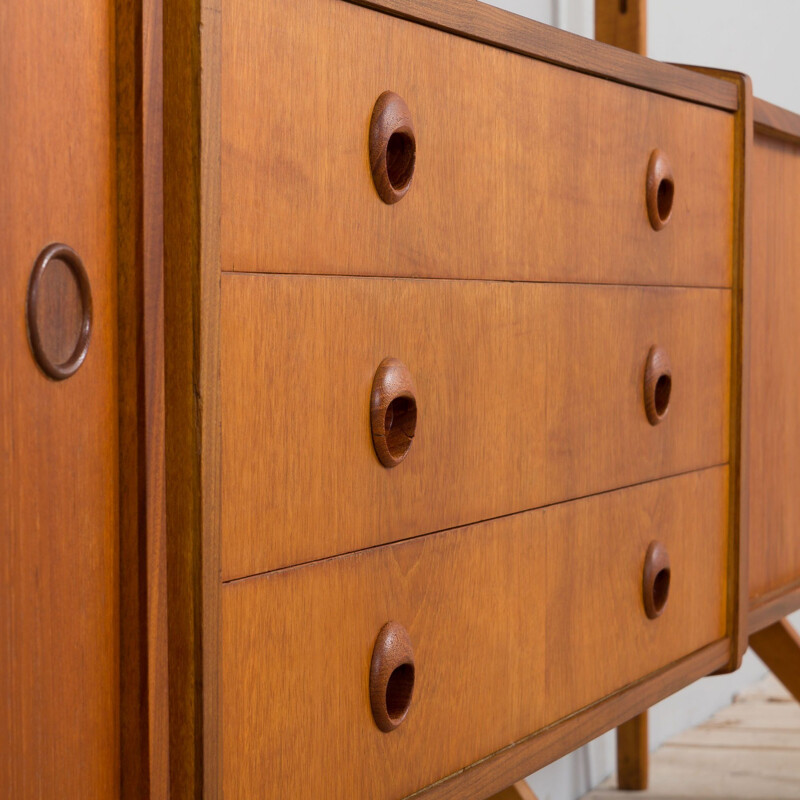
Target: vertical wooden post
778, 646
632, 761
622, 23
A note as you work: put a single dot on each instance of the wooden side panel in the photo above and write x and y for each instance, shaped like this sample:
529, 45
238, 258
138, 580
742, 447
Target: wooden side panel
774, 372
523, 170
515, 623
58, 441
527, 394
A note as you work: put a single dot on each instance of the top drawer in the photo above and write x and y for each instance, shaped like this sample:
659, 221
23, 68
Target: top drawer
524, 170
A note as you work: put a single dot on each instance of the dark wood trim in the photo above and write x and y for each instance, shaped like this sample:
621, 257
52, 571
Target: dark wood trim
522, 758
770, 608
192, 53
494, 26
144, 718
777, 122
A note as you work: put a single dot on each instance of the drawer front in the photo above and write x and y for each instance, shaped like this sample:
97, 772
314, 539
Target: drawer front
523, 170
514, 624
527, 394
774, 374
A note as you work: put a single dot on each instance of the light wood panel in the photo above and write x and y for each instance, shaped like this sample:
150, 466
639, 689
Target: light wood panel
527, 394
515, 623
58, 440
774, 377
523, 171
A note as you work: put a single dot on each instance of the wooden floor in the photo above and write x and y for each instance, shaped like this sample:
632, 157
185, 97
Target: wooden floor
748, 751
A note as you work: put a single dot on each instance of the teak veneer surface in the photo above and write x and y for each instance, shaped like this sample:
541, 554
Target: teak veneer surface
59, 724
515, 623
527, 394
524, 170
774, 376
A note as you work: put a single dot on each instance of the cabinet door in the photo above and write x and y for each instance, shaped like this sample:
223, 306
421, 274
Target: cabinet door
58, 437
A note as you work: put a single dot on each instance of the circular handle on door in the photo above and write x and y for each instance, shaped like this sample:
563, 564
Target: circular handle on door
392, 147
393, 411
657, 385
655, 579
52, 322
660, 190
391, 676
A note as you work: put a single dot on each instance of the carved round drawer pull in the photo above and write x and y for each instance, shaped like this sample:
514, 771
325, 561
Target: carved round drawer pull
391, 676
392, 147
393, 412
657, 385
660, 190
655, 580
59, 311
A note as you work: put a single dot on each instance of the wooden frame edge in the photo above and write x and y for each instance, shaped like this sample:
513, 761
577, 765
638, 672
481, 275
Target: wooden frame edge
192, 48
524, 757
739, 508
499, 28
776, 122
144, 719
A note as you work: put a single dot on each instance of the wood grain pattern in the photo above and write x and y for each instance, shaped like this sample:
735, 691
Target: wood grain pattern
59, 654
544, 747
144, 708
633, 754
774, 381
778, 646
558, 368
520, 173
622, 23
191, 331
492, 610
491, 25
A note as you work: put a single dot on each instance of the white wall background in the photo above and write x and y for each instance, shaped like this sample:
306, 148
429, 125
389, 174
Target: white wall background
759, 38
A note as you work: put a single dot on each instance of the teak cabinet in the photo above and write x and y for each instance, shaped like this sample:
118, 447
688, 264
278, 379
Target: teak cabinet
454, 395
411, 401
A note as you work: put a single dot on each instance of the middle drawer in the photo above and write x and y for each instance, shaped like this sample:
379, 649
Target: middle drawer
526, 394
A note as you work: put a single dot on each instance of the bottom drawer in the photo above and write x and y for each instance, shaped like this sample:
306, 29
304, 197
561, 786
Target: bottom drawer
514, 623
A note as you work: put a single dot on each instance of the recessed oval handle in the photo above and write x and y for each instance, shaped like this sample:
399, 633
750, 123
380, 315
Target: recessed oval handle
391, 676
657, 385
393, 411
660, 190
48, 316
655, 579
392, 147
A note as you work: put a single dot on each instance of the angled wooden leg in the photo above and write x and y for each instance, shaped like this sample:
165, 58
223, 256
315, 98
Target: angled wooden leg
519, 791
632, 754
778, 646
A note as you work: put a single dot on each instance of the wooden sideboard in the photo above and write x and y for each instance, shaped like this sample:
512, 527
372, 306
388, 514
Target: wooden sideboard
433, 414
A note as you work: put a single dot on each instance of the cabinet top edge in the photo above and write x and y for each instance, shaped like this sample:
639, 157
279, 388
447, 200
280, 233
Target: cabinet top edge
776, 122
487, 24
